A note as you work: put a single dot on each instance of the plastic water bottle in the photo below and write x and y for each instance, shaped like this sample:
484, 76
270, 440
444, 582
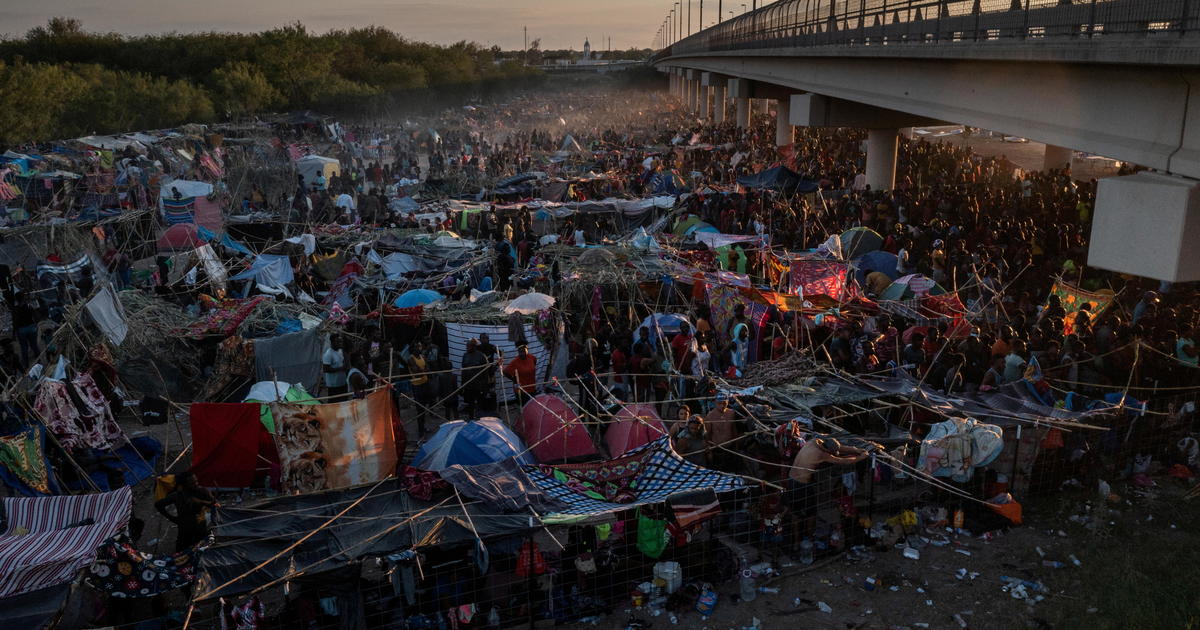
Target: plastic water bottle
806, 551
748, 592
768, 589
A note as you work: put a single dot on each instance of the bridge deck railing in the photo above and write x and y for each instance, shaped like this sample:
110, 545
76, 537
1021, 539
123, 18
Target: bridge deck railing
811, 23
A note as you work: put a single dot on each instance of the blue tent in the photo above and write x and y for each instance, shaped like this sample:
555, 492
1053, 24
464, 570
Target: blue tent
878, 260
470, 443
416, 297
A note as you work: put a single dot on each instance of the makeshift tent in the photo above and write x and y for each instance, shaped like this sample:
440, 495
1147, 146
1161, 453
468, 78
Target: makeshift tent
858, 241
310, 166
553, 430
878, 260
470, 443
47, 540
282, 536
911, 286
780, 178
636, 424
651, 473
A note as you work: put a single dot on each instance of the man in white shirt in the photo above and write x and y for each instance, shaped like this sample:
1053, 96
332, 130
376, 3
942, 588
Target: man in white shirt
333, 365
346, 205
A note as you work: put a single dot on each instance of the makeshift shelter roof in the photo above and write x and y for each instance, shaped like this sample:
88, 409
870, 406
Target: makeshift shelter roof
646, 475
779, 178
470, 443
47, 540
553, 430
386, 520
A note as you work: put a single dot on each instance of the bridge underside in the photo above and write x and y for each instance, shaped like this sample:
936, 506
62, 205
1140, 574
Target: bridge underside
1137, 114
1140, 114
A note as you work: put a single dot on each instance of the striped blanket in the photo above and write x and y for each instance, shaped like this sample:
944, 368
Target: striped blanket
74, 270
49, 539
176, 211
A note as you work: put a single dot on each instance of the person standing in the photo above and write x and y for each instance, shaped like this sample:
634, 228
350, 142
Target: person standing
522, 371
417, 366
475, 366
190, 502
333, 365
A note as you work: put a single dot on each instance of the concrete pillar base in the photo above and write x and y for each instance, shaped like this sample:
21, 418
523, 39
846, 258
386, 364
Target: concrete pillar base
1056, 157
1147, 225
718, 105
882, 145
743, 112
783, 123
705, 103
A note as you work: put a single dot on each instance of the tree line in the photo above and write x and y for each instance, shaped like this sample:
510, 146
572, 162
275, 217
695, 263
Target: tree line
60, 81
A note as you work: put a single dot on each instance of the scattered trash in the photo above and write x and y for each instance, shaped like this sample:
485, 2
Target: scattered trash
1053, 564
963, 552
1075, 561
1040, 553
768, 589
823, 607
912, 553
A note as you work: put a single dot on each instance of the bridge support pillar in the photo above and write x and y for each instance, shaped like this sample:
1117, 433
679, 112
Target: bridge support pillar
743, 112
783, 122
693, 101
719, 103
739, 92
1056, 157
705, 108
882, 145
1147, 225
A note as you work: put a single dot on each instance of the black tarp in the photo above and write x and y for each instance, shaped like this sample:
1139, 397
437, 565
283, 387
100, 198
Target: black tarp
780, 178
387, 520
33, 610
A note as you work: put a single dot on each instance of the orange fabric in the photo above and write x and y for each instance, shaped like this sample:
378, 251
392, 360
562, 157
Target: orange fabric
1010, 511
523, 372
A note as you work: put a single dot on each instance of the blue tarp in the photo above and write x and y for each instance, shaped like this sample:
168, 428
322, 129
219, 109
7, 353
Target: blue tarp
471, 443
269, 269
416, 297
135, 461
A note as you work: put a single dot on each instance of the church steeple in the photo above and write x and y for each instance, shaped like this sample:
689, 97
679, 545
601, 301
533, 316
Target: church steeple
587, 49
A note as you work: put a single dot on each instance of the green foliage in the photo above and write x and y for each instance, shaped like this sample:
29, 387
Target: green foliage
61, 81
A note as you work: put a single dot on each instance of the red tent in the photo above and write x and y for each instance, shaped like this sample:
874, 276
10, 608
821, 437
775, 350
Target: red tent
553, 430
181, 236
636, 424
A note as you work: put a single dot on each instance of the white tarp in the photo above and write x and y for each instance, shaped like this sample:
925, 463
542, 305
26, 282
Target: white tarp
109, 315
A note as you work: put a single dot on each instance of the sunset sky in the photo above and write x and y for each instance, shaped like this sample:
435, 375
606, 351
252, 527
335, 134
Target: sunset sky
559, 23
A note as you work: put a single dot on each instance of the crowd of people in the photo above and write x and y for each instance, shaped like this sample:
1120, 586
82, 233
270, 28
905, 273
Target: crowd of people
997, 237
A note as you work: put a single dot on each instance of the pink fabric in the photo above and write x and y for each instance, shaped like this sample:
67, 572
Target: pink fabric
637, 424
553, 430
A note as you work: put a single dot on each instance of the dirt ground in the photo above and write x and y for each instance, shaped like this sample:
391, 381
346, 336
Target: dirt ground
946, 581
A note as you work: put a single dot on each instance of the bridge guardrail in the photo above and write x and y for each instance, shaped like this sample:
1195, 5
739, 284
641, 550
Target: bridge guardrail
808, 23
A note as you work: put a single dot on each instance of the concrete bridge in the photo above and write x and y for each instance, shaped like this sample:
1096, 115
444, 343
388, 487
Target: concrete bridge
1119, 78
